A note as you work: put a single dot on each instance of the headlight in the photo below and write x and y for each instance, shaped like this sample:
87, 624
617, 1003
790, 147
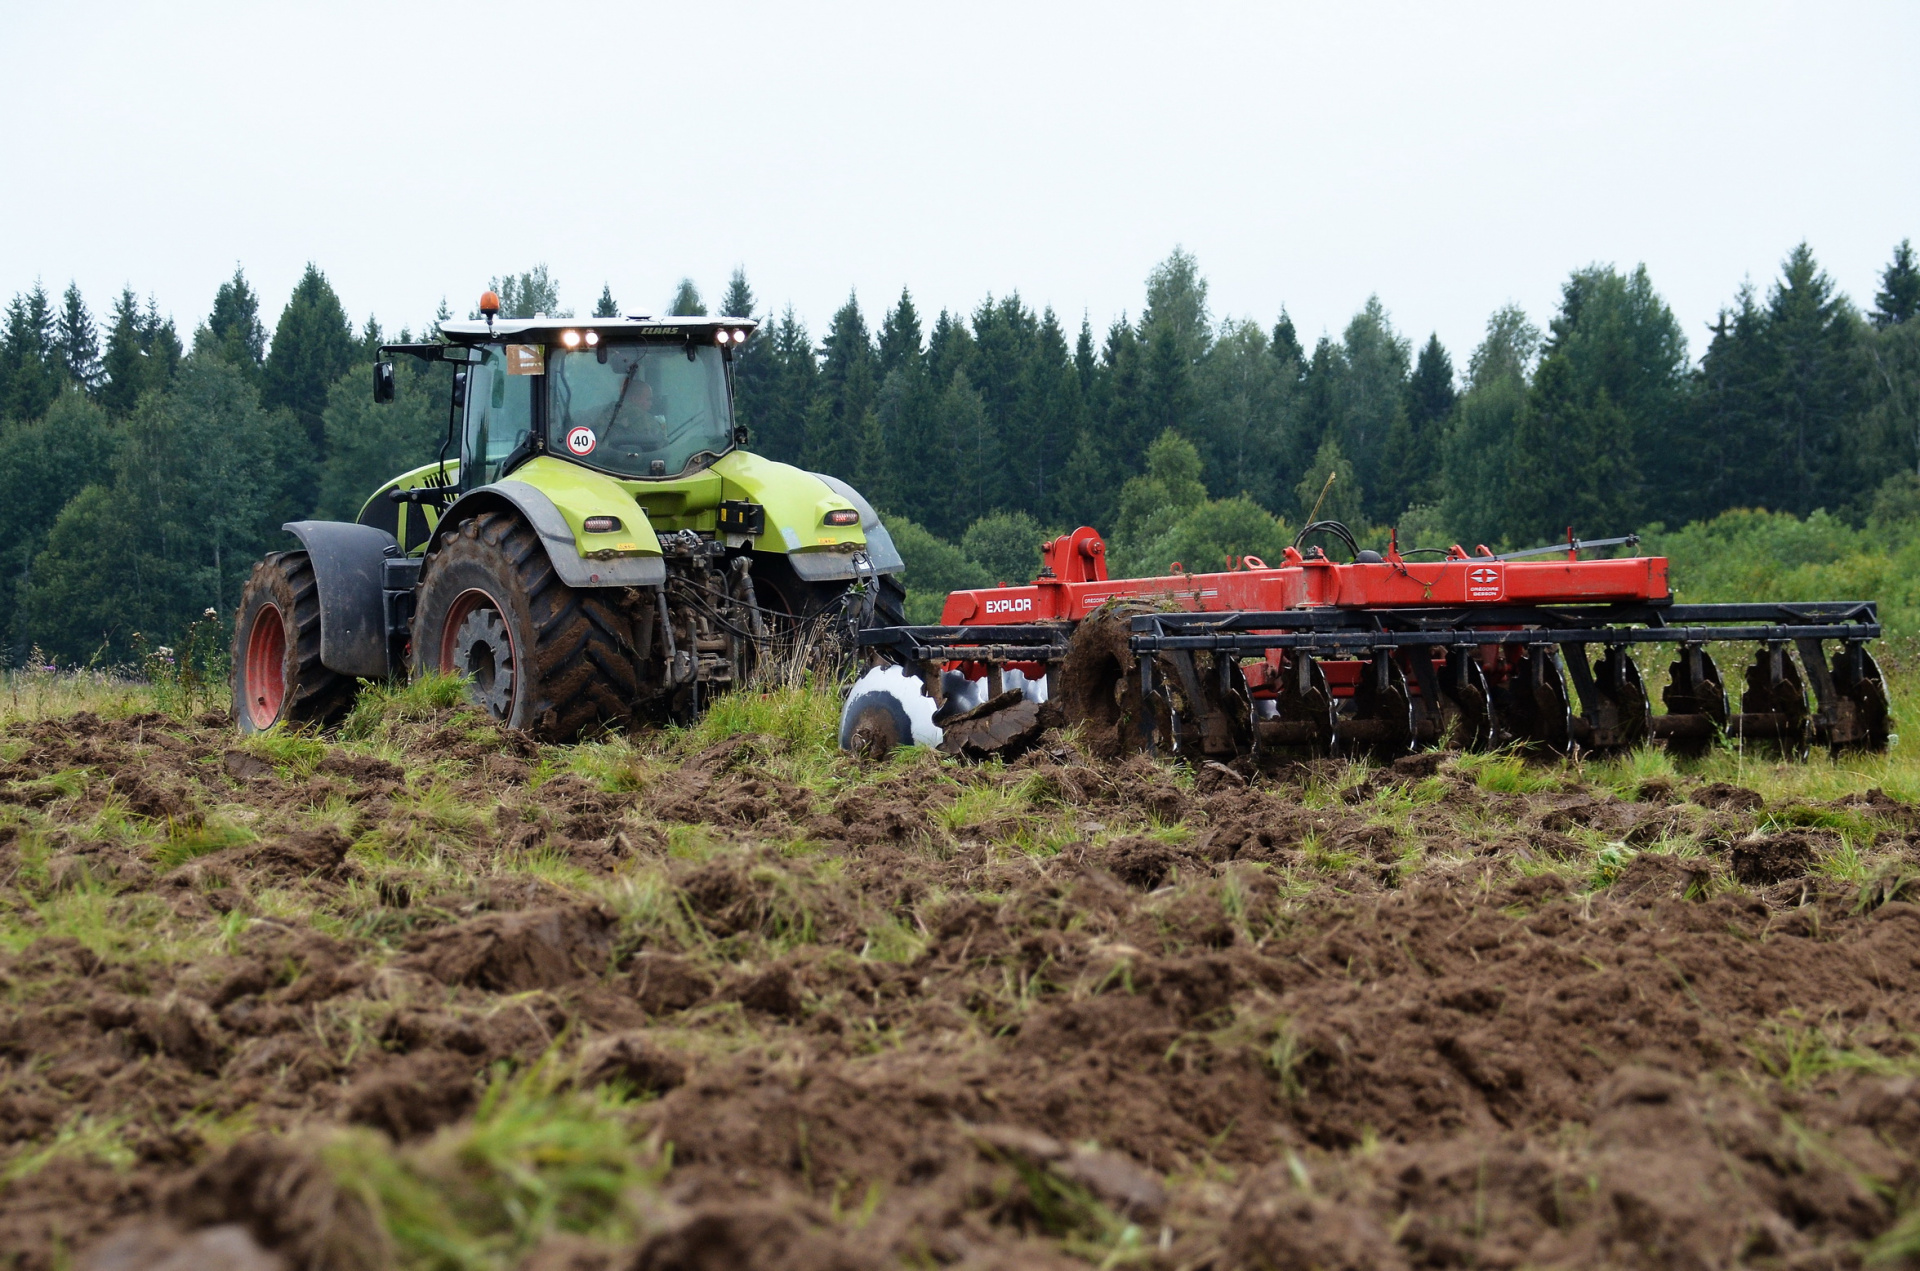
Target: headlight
600, 524
570, 338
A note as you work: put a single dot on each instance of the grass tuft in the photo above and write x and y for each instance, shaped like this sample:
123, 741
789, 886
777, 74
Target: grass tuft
537, 1159
381, 705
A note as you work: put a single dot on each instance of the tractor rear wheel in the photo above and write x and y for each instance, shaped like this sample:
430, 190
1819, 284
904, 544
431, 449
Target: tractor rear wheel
538, 654
277, 676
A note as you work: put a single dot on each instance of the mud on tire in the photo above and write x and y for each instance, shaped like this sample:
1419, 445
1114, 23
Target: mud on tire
277, 675
541, 655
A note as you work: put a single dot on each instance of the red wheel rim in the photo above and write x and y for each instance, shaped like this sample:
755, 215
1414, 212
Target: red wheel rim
266, 666
476, 641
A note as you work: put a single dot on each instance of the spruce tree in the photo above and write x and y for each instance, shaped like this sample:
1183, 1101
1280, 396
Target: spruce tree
1084, 357
1899, 296
1004, 332
313, 346
1810, 386
739, 301
606, 306
79, 342
779, 417
900, 341
162, 345
950, 348
1049, 420
837, 417
1371, 397
124, 362
1610, 387
233, 331
1285, 345
752, 365
1413, 448
31, 370
686, 301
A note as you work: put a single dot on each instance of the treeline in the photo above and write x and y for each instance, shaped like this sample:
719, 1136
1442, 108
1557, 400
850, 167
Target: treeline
142, 473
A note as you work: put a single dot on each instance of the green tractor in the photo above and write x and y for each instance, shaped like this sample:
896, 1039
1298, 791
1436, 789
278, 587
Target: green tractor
602, 546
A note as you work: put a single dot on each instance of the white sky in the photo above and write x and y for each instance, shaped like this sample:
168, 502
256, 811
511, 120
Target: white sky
1450, 157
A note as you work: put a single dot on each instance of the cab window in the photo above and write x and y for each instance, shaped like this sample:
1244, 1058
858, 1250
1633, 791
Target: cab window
499, 416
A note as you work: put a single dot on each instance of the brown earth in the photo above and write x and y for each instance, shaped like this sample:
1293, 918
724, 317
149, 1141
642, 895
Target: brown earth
1064, 1011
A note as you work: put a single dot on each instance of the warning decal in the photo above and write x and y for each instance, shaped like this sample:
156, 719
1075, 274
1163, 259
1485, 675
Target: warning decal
582, 441
1487, 582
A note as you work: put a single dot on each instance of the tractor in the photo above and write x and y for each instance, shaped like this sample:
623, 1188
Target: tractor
593, 544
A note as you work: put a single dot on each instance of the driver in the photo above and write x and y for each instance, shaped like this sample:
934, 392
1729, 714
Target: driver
639, 421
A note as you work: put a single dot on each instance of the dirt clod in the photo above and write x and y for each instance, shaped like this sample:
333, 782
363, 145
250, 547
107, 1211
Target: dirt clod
509, 953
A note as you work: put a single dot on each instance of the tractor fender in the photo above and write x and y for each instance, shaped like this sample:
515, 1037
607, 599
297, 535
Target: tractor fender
880, 549
348, 572
556, 536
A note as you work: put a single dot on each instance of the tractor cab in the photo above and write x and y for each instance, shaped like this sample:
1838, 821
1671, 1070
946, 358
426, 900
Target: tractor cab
634, 398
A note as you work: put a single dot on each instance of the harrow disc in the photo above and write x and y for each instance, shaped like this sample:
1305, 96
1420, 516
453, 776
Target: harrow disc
1530, 704
1696, 702
1379, 720
1773, 710
1302, 705
1862, 704
1616, 714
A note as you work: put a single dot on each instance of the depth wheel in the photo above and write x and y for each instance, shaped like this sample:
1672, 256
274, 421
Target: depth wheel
277, 676
536, 653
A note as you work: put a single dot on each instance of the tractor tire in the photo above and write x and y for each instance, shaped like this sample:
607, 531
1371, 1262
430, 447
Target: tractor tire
540, 655
277, 676
1099, 687
784, 593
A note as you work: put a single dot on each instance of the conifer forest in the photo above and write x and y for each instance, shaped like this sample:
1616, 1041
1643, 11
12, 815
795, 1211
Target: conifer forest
145, 465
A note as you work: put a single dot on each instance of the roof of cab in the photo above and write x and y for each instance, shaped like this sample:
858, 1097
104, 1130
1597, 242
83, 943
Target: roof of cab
632, 324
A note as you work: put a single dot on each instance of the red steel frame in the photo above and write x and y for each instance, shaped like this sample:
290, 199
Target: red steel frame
1073, 583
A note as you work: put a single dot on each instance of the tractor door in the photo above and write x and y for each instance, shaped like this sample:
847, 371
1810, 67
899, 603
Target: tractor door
500, 399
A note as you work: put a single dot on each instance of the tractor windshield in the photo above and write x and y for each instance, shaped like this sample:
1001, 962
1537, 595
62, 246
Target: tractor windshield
639, 410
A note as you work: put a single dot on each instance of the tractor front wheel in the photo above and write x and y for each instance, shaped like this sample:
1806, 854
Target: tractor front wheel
537, 654
277, 675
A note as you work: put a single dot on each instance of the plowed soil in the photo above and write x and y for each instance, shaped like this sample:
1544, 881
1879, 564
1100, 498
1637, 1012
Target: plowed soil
1065, 1011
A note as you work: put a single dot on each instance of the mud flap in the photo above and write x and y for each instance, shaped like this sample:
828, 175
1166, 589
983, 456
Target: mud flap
349, 570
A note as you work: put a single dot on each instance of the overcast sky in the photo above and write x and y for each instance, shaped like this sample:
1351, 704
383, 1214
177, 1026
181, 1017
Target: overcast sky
1448, 157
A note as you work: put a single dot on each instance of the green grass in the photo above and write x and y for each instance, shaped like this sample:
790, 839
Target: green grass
1508, 772
92, 1138
382, 705
293, 753
184, 842
536, 1159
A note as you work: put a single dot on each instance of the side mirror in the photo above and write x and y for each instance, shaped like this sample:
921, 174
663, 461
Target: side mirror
383, 387
459, 390
739, 434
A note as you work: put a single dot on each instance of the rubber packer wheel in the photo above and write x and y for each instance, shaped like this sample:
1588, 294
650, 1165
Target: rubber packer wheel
540, 655
277, 676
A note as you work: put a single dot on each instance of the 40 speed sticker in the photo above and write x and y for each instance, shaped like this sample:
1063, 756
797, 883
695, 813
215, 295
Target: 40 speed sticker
582, 441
